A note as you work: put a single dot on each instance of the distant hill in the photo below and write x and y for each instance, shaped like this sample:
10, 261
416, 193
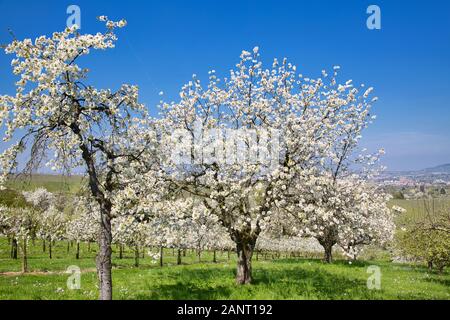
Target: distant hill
443, 168
431, 175
440, 169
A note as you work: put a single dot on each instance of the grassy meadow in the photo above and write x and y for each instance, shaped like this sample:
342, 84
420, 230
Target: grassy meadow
416, 209
282, 278
53, 183
274, 278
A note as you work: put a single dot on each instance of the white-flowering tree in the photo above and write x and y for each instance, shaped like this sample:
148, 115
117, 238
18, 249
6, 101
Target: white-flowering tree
60, 116
371, 224
174, 225
42, 200
52, 226
19, 224
171, 226
335, 202
332, 200
206, 232
246, 139
136, 207
185, 223
7, 230
3, 220
349, 212
127, 230
278, 243
84, 224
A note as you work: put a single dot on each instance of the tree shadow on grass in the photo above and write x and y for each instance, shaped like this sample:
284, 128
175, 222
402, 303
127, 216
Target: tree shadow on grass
345, 263
296, 282
312, 284
186, 291
189, 284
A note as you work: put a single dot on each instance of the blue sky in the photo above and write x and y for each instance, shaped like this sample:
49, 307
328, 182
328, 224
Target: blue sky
165, 42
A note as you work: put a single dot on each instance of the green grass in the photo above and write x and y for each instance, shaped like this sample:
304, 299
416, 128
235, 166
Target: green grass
53, 183
12, 198
273, 279
416, 208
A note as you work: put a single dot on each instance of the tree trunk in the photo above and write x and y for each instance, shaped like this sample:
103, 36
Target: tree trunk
77, 255
103, 260
136, 256
161, 252
214, 256
199, 255
24, 256
244, 250
43, 245
441, 269
50, 249
68, 247
14, 248
120, 251
328, 240
179, 257
430, 265
328, 253
184, 252
228, 254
